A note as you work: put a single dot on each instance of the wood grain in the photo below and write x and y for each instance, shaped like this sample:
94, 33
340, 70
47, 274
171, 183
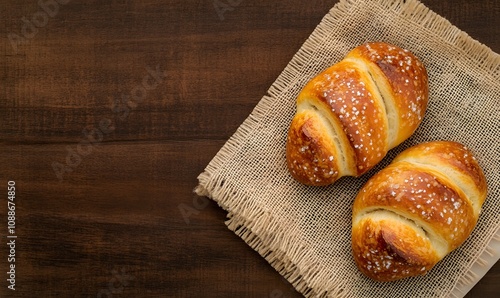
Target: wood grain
117, 217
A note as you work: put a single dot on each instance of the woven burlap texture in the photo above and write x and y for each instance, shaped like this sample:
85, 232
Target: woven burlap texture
304, 232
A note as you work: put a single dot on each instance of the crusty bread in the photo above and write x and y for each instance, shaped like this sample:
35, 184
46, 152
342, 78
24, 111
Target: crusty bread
350, 115
418, 209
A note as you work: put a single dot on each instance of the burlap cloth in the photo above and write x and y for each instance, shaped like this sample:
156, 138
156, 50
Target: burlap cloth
304, 232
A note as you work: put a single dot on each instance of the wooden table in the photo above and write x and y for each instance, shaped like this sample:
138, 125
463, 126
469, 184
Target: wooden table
108, 112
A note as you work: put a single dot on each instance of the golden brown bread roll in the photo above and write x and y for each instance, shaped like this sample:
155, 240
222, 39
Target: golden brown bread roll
351, 114
411, 214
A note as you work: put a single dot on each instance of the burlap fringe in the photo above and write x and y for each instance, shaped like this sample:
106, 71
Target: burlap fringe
263, 232
486, 259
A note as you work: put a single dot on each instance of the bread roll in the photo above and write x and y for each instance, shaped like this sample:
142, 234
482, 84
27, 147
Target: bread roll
418, 209
350, 115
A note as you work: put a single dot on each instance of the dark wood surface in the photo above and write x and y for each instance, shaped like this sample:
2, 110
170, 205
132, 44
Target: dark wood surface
105, 170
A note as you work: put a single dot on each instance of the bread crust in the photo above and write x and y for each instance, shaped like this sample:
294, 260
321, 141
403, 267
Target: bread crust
416, 210
366, 104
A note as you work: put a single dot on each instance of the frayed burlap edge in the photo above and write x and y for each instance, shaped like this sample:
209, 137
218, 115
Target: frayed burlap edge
260, 230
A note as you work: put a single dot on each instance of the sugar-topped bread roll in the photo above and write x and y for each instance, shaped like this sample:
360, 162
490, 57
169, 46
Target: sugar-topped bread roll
411, 214
351, 114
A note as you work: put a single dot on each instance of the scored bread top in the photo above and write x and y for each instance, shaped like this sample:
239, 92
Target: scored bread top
456, 161
365, 105
348, 98
433, 203
430, 196
402, 82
